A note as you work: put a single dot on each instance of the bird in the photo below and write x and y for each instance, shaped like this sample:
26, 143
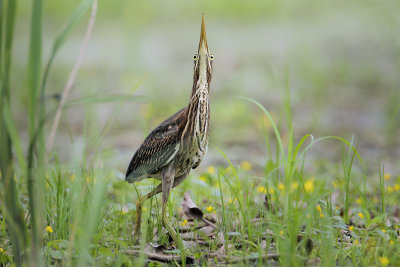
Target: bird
179, 143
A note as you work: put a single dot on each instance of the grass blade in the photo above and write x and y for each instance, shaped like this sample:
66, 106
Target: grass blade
12, 132
71, 78
13, 214
76, 16
34, 73
100, 100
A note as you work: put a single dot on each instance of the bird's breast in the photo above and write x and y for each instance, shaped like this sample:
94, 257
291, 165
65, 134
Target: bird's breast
195, 137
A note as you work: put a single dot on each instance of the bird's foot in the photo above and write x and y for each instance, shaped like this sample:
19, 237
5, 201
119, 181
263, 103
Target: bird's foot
177, 241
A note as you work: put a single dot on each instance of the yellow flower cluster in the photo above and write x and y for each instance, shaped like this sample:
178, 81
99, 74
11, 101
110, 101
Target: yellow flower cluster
211, 169
395, 187
49, 229
262, 189
245, 165
309, 186
232, 200
184, 222
384, 261
281, 186
319, 209
202, 178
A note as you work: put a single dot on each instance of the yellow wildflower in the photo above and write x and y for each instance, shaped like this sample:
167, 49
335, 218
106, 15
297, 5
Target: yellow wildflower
232, 200
202, 178
124, 210
271, 191
321, 215
384, 261
360, 215
209, 208
281, 233
390, 189
309, 186
359, 200
319, 208
211, 170
49, 229
386, 176
184, 222
281, 186
262, 189
72, 177
356, 242
334, 184
396, 187
383, 231
295, 185
1, 250
351, 227
391, 242
245, 165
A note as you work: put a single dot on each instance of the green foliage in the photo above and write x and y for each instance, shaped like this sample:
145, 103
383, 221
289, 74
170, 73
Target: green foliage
78, 211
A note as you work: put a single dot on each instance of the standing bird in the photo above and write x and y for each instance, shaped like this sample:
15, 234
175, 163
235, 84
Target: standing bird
179, 143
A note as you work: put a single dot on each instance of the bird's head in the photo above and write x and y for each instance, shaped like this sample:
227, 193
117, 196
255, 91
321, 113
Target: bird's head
203, 62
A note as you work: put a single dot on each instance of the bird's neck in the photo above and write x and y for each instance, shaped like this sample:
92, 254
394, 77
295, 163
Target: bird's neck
198, 116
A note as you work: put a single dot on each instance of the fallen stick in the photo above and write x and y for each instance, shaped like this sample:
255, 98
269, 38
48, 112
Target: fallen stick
158, 257
209, 223
269, 256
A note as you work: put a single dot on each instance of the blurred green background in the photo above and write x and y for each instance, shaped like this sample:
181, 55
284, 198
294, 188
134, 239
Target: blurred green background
342, 58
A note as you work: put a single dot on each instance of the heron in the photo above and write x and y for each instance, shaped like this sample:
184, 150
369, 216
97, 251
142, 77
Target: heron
179, 143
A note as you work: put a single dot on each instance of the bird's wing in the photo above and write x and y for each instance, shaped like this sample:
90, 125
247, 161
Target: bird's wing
157, 150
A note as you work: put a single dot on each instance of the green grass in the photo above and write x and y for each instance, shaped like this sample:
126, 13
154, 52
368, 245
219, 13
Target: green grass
293, 203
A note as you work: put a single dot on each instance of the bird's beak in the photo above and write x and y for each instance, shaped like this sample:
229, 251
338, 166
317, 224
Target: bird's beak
203, 47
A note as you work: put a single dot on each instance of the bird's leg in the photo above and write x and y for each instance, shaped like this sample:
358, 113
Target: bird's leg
168, 175
140, 201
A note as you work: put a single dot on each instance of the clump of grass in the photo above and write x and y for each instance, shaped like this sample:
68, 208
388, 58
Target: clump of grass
80, 214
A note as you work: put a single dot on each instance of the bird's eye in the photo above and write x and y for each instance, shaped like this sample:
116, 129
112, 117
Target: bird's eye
211, 57
195, 57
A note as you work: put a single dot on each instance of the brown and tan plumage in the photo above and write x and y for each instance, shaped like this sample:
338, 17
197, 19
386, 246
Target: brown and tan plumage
179, 143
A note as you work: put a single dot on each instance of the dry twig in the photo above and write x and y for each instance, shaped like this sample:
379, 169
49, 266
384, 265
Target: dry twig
158, 257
